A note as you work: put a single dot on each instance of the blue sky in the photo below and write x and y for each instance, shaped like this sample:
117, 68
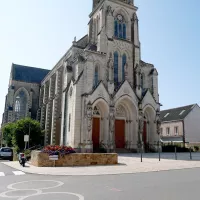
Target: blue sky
38, 32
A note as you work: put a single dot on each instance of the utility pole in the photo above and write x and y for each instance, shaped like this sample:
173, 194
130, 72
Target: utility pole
29, 132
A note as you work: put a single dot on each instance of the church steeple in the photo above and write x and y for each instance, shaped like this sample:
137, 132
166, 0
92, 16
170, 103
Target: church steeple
96, 2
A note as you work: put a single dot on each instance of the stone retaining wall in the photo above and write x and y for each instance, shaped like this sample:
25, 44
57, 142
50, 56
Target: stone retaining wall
40, 159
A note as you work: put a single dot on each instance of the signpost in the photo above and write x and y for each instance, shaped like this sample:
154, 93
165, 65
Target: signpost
26, 139
54, 158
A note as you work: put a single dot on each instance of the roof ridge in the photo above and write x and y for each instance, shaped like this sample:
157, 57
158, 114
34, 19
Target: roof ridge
179, 107
14, 64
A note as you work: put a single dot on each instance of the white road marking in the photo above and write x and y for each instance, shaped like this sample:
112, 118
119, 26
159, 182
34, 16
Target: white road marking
2, 174
13, 186
18, 173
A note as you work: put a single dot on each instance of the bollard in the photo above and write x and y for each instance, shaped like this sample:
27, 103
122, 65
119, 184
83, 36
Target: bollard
159, 152
190, 153
175, 154
141, 155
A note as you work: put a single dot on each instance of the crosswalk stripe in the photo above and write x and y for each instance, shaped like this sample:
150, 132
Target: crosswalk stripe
18, 173
2, 174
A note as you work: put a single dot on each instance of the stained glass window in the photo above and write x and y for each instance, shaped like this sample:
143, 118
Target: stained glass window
124, 31
123, 66
21, 105
120, 28
116, 28
17, 104
96, 76
116, 68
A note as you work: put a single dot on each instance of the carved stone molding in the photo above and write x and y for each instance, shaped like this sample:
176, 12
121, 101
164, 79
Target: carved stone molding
110, 11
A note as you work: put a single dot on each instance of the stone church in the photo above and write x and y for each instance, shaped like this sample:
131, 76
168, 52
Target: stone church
100, 93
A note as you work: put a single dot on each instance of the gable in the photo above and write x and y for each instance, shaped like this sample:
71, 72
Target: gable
149, 100
126, 89
99, 92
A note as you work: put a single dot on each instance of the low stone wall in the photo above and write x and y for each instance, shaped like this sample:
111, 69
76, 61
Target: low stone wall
40, 159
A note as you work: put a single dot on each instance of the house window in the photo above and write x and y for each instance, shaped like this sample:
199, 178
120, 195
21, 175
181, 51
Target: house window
120, 27
96, 76
182, 112
167, 130
69, 122
176, 130
116, 57
166, 115
123, 66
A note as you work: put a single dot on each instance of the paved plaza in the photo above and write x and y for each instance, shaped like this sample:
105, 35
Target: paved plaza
128, 163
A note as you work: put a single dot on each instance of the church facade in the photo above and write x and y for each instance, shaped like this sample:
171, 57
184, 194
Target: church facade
100, 93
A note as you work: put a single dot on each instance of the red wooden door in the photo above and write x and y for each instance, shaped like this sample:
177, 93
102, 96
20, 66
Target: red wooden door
145, 132
96, 133
120, 133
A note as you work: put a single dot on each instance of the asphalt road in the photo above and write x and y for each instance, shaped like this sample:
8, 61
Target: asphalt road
168, 185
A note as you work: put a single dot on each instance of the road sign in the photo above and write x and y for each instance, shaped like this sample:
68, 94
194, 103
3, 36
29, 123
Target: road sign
53, 157
26, 138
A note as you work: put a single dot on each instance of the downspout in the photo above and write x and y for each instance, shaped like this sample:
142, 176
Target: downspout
183, 132
82, 117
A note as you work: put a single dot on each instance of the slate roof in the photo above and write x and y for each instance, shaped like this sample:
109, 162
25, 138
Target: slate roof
28, 74
175, 113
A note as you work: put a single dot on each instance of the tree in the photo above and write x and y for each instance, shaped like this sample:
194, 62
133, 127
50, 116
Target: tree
16, 131
7, 132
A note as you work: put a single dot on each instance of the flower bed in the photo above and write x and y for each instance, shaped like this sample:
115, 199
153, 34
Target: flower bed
41, 159
58, 150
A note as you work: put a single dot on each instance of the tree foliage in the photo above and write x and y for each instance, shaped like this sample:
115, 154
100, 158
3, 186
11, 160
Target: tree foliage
8, 131
13, 133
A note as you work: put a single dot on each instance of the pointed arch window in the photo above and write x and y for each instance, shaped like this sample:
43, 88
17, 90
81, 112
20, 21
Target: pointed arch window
123, 66
96, 76
120, 27
124, 31
116, 28
21, 104
116, 58
17, 104
142, 81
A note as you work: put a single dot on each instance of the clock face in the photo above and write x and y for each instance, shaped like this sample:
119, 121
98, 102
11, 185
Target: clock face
119, 17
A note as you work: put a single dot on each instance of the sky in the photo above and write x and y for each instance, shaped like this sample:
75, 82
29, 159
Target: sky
38, 32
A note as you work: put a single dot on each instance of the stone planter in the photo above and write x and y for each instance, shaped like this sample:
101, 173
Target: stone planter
40, 159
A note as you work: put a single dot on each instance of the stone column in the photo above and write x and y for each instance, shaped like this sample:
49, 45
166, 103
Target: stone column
112, 128
42, 106
48, 102
56, 104
140, 129
89, 143
131, 134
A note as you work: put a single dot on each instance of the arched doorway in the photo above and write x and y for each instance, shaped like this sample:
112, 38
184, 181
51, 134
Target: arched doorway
96, 128
125, 124
120, 127
149, 134
100, 122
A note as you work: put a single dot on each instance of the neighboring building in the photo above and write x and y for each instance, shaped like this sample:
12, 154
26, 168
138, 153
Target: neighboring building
100, 91
22, 99
181, 125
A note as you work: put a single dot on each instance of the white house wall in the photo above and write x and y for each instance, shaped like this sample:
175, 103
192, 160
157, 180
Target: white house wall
192, 126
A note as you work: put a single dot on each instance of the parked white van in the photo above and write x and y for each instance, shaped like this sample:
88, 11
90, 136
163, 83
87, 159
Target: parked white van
6, 153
